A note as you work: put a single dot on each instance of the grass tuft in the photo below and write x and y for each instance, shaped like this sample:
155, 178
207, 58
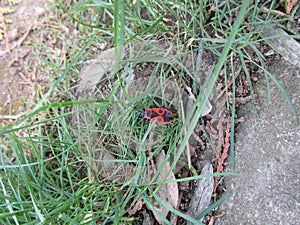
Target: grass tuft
53, 165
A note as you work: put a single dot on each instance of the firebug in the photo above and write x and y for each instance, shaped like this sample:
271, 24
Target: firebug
159, 115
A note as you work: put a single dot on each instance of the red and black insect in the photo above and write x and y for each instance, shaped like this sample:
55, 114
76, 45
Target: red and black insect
159, 115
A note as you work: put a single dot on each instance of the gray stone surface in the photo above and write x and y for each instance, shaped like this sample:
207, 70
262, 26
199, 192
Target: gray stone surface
267, 158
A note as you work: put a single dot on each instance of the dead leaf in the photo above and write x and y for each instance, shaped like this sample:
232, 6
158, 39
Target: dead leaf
138, 205
202, 193
168, 192
289, 5
91, 74
192, 98
147, 219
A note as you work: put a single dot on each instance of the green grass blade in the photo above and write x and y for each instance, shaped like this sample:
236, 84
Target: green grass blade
208, 88
232, 130
285, 94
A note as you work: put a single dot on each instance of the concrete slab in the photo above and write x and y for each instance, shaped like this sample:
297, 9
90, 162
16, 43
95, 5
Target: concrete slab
267, 158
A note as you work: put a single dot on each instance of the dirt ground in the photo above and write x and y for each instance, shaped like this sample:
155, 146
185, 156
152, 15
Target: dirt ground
19, 75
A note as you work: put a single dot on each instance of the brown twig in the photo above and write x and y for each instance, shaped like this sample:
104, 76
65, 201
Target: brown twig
274, 12
18, 43
227, 86
212, 218
9, 117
